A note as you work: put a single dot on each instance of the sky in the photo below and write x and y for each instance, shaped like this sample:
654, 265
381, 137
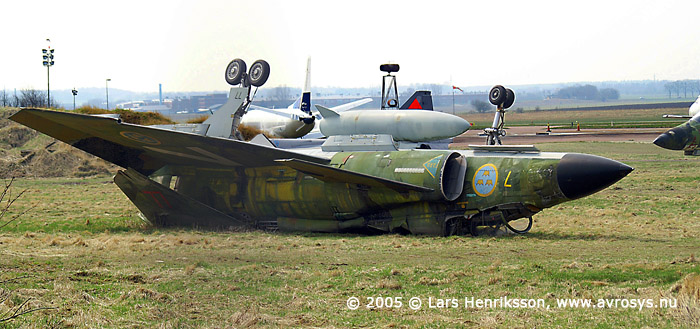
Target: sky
186, 45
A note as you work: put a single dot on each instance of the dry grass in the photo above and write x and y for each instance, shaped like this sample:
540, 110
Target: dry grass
89, 109
249, 132
83, 251
198, 119
141, 118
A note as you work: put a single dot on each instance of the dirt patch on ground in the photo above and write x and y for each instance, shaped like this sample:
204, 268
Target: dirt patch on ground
56, 159
26, 153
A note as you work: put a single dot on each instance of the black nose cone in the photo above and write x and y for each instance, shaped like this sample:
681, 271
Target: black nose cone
580, 175
674, 139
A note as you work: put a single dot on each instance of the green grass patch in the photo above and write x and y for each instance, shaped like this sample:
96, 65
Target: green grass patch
82, 250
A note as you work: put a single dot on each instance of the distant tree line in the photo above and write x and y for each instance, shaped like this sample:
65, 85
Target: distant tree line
685, 86
481, 106
26, 98
587, 92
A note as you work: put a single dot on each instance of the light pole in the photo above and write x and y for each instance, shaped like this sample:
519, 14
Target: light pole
75, 93
48, 62
107, 91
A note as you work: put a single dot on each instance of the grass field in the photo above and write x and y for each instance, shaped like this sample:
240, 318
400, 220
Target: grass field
82, 252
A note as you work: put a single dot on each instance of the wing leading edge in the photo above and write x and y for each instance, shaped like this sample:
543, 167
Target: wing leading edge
147, 149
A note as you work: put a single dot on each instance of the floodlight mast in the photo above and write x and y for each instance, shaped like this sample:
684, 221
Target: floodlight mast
107, 90
75, 93
47, 60
389, 101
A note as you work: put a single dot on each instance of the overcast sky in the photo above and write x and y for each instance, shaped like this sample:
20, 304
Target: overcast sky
186, 45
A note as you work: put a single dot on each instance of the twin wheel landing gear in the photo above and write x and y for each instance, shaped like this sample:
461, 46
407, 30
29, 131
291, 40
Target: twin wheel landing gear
503, 98
256, 76
236, 75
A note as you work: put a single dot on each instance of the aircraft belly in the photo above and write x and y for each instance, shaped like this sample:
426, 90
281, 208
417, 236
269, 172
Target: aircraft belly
292, 129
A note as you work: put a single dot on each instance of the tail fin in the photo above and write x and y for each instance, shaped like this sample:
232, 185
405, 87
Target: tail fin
307, 82
221, 122
305, 105
304, 102
420, 100
694, 108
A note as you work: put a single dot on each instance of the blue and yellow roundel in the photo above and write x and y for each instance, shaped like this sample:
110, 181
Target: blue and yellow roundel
485, 179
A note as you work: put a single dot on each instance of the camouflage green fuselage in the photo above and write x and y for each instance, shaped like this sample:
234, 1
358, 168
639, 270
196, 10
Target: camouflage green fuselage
684, 137
297, 201
222, 182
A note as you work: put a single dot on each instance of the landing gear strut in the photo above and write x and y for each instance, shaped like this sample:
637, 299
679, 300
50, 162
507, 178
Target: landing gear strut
503, 98
502, 215
236, 74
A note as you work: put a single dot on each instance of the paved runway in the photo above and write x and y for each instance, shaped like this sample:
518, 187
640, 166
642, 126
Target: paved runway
535, 135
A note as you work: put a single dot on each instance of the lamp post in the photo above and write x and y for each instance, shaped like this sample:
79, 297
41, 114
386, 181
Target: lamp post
107, 91
48, 62
75, 93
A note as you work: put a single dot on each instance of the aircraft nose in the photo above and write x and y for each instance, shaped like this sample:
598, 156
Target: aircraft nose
673, 139
580, 175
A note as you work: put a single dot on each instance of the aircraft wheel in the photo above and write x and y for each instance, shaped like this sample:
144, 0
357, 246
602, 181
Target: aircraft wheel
473, 227
497, 95
518, 227
453, 226
259, 72
510, 99
235, 71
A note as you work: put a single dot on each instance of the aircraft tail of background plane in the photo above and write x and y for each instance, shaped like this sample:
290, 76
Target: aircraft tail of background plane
692, 111
694, 108
303, 103
420, 100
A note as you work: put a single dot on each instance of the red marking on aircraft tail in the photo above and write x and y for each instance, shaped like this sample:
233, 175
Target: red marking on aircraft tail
415, 105
158, 193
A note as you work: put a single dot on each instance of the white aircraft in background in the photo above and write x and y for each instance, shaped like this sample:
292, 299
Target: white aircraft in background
695, 108
692, 111
296, 120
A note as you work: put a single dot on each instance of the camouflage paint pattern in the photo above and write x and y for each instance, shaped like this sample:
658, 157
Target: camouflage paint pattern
222, 182
684, 137
301, 202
